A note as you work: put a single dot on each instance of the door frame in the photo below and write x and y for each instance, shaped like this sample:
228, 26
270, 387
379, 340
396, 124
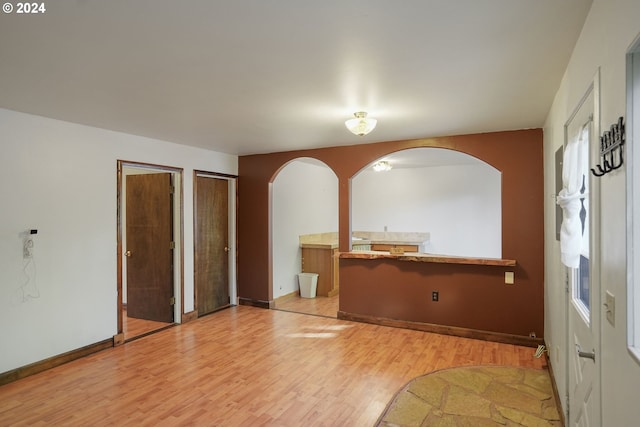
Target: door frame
594, 256
178, 232
632, 164
233, 231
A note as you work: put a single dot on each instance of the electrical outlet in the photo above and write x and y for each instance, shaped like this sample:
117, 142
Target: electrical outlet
435, 296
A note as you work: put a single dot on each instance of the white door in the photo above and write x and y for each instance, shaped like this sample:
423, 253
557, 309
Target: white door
583, 302
584, 363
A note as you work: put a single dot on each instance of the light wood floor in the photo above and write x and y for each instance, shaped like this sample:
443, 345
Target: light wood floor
245, 366
133, 328
319, 306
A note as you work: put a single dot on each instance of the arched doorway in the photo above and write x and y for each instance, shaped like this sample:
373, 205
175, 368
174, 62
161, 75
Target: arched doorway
304, 201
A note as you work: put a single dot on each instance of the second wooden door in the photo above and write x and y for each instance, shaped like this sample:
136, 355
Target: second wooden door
211, 244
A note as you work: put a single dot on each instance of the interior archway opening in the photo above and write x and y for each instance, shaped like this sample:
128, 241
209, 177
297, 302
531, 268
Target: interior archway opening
445, 201
304, 200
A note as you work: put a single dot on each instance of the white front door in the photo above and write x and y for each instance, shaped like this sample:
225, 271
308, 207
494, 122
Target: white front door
583, 302
584, 363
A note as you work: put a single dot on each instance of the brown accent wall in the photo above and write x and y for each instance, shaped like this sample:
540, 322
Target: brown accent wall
473, 297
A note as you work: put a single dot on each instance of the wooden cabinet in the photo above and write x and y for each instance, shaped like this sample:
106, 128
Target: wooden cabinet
325, 263
387, 247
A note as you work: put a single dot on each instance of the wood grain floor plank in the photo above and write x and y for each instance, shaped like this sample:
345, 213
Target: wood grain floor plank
246, 366
320, 306
132, 327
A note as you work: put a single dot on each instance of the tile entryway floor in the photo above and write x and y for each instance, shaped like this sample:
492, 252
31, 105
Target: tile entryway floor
475, 396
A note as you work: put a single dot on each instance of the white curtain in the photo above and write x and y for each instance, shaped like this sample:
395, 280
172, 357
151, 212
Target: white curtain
575, 169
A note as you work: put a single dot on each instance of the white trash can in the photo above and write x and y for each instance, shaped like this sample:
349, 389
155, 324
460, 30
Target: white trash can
308, 283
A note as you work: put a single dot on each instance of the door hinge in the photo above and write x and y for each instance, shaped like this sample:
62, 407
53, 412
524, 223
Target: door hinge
172, 245
172, 301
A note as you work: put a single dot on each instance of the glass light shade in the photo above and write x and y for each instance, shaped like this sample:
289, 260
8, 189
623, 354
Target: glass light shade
361, 125
382, 166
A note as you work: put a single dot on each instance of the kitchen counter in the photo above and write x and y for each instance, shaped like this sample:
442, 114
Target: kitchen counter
411, 242
366, 239
320, 252
319, 241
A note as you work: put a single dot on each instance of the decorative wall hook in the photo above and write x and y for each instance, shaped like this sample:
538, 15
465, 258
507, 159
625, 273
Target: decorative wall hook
611, 143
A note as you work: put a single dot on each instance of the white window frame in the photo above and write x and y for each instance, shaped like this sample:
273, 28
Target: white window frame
575, 273
632, 162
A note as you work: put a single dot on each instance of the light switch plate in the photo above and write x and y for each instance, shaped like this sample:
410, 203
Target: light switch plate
610, 308
508, 277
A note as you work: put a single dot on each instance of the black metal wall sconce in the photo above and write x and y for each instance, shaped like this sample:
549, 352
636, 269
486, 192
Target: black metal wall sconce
611, 143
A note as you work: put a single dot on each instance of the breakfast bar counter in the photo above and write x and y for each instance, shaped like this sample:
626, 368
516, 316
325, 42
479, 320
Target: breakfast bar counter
423, 257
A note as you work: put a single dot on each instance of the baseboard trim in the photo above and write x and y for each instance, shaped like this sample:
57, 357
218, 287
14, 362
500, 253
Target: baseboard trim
146, 334
118, 339
256, 303
285, 297
556, 395
52, 362
444, 330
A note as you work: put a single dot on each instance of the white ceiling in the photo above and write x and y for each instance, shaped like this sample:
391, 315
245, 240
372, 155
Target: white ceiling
258, 76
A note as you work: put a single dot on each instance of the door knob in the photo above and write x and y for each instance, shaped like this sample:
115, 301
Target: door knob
585, 354
226, 249
128, 253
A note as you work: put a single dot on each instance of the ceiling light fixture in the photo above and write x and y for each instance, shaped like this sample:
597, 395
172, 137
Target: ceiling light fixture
361, 125
381, 166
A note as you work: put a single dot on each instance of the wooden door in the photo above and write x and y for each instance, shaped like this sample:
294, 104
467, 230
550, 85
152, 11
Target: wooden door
149, 248
211, 244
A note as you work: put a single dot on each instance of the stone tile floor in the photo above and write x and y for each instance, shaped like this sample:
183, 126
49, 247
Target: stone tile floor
475, 396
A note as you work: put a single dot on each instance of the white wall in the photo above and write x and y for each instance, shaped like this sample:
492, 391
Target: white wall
304, 201
460, 205
609, 31
60, 178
